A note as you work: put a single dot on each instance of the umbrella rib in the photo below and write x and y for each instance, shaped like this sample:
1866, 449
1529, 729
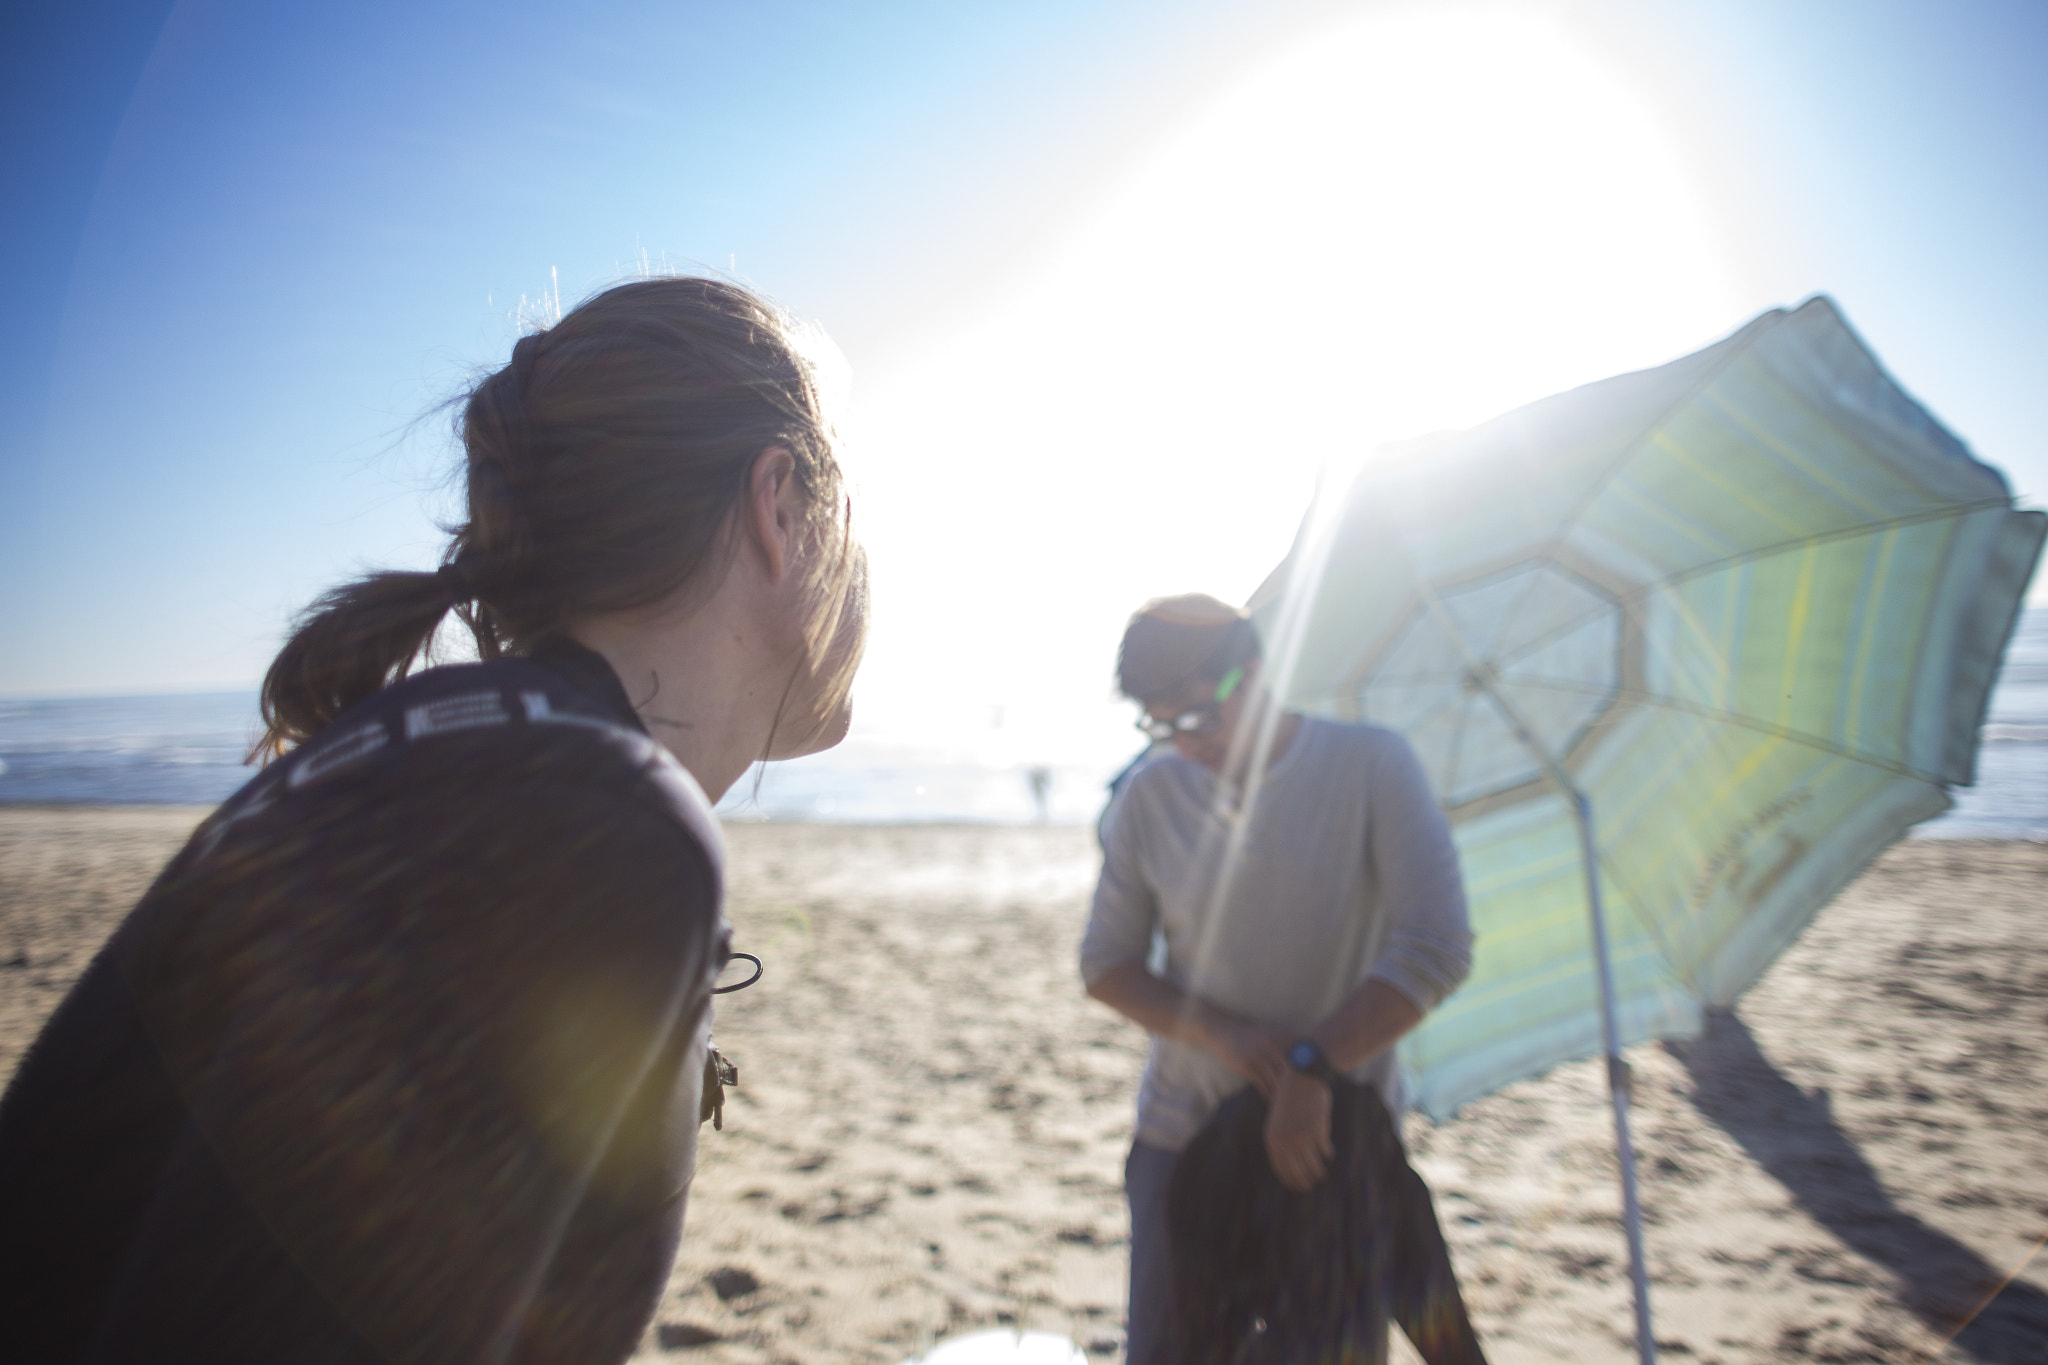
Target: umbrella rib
1528, 590
1702, 712
1954, 509
1642, 594
1775, 318
1462, 714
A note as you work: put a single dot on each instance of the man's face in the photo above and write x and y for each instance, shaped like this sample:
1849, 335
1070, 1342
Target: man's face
1210, 745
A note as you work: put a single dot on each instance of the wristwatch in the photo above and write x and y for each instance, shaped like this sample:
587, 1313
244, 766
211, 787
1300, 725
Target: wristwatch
1307, 1058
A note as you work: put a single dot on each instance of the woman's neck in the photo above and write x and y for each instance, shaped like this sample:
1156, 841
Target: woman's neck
707, 686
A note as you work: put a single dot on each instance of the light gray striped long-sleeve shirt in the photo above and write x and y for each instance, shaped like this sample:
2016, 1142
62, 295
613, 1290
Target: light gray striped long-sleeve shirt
1339, 868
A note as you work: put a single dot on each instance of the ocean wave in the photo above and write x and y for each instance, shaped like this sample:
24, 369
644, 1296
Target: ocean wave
2010, 732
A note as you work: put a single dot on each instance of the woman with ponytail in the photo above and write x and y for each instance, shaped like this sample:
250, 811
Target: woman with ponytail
399, 1059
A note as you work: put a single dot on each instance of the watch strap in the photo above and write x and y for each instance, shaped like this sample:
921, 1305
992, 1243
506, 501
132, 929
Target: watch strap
1306, 1056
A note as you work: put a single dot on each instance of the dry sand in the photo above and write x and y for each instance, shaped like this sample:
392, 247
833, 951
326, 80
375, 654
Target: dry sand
930, 1130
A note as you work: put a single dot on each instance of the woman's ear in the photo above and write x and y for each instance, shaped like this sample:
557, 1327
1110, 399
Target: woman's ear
774, 510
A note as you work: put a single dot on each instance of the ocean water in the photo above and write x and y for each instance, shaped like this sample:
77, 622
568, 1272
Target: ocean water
2010, 798
188, 750
172, 750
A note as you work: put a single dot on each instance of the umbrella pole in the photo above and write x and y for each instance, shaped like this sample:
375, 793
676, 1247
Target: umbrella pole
1482, 679
1618, 1083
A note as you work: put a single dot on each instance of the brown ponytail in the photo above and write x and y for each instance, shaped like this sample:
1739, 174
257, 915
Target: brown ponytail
601, 465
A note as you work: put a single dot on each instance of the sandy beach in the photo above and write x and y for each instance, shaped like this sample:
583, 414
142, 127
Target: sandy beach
930, 1129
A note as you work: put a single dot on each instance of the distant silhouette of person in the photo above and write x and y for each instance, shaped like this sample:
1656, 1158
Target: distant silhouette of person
400, 1058
1040, 782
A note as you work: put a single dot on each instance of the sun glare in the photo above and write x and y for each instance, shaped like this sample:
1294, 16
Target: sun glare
1408, 223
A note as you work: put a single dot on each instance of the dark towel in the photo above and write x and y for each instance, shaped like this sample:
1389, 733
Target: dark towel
1262, 1274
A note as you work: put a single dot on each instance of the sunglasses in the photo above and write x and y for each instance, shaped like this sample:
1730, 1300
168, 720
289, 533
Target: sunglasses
1199, 720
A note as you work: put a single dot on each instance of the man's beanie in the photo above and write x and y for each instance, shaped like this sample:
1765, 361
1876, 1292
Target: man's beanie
1172, 639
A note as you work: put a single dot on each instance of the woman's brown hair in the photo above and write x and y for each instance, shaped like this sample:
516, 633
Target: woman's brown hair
602, 467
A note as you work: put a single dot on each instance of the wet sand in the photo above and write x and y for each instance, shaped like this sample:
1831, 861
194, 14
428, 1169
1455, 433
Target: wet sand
930, 1129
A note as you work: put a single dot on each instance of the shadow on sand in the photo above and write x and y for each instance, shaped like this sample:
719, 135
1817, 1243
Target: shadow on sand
1793, 1136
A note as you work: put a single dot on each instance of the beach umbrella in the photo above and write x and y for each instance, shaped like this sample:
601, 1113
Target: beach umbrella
1681, 651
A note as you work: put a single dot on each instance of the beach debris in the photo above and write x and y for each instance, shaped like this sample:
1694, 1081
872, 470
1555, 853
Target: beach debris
730, 1282
1003, 1347
681, 1336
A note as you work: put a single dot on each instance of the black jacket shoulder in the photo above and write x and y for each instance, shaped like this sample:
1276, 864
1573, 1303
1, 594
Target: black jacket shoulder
461, 738
404, 1041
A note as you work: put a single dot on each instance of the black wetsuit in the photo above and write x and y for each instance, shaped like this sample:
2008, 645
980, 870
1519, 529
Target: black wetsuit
399, 1058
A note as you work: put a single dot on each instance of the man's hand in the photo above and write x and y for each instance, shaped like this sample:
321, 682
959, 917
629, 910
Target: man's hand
1298, 1131
1255, 1051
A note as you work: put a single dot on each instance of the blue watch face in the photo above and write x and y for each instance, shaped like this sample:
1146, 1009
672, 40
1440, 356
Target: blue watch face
1302, 1056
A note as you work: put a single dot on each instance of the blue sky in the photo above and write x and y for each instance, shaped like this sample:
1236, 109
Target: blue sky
255, 242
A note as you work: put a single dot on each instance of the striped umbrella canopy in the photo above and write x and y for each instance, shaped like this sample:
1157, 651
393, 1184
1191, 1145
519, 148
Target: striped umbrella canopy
1682, 651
